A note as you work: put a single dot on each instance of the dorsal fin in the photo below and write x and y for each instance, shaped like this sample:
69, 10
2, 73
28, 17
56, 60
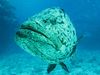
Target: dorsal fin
74, 47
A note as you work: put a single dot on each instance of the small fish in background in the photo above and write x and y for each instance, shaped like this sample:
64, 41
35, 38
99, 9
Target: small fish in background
49, 35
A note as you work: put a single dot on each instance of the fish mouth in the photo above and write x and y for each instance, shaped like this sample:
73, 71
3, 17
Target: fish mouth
25, 32
23, 35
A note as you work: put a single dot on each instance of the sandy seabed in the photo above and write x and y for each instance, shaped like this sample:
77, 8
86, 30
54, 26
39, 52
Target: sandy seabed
85, 62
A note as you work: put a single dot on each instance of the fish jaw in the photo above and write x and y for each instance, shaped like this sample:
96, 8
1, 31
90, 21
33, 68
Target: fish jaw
25, 35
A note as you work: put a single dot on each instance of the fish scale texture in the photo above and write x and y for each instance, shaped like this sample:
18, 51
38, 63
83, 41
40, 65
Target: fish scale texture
49, 35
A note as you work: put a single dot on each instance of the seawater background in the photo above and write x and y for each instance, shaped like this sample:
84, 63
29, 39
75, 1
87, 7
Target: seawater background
84, 14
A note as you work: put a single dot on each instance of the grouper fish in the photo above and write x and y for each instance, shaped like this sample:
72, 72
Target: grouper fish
50, 35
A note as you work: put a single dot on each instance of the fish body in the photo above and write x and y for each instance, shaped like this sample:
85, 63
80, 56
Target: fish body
49, 35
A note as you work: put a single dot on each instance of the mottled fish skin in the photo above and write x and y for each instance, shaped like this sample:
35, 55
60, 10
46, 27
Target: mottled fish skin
49, 35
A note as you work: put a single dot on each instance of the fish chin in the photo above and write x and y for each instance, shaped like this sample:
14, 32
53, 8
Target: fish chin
34, 36
28, 40
33, 42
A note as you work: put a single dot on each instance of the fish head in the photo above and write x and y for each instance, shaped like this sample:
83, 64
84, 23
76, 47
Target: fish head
40, 30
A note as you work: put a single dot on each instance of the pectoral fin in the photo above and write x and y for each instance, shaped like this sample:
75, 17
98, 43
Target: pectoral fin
64, 66
74, 47
51, 68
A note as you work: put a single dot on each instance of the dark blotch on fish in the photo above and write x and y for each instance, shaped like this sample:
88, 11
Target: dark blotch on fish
20, 34
53, 21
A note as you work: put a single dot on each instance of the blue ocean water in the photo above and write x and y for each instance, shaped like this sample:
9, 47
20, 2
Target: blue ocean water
84, 14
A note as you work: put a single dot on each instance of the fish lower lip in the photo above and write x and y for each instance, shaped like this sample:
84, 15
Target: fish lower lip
34, 30
20, 34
